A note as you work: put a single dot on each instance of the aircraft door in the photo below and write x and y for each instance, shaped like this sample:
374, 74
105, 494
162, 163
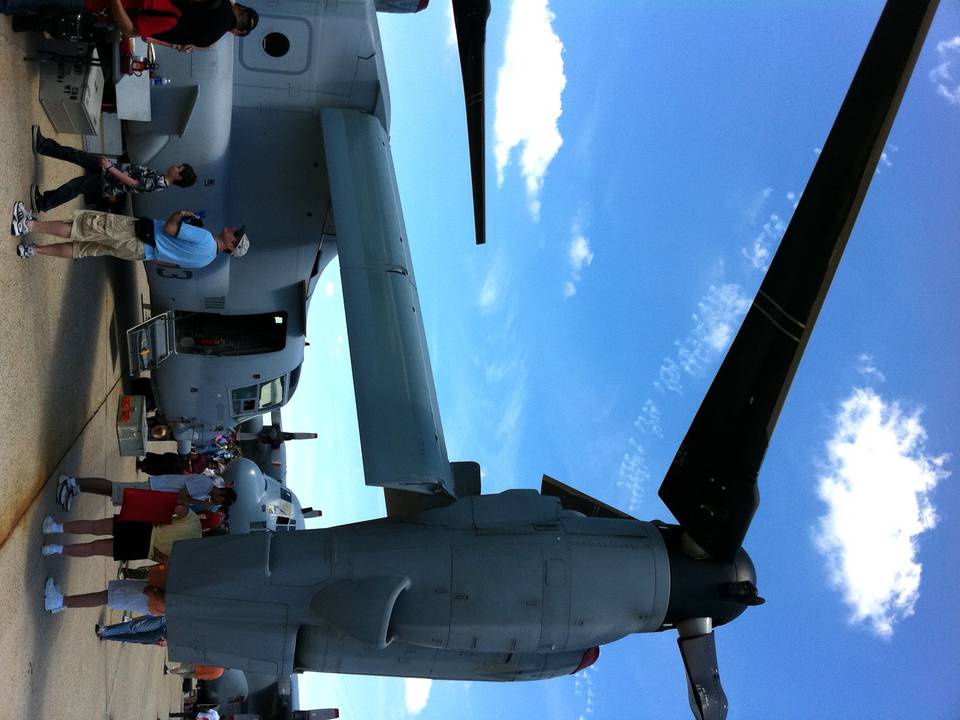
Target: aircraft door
151, 342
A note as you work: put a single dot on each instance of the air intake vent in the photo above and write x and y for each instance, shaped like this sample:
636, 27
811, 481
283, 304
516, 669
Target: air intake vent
215, 302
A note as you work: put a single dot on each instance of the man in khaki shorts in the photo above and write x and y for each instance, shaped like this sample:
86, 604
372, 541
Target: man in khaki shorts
96, 234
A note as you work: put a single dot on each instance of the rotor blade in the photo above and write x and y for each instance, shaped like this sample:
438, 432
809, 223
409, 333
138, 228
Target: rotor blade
707, 699
711, 486
275, 419
299, 436
470, 19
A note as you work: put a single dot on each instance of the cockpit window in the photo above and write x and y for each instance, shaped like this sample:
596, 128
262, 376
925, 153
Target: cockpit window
271, 394
258, 398
295, 379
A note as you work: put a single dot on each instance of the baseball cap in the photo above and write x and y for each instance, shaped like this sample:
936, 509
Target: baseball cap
243, 242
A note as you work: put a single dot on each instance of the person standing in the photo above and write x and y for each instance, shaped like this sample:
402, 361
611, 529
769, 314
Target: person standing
202, 23
176, 242
107, 179
207, 491
123, 539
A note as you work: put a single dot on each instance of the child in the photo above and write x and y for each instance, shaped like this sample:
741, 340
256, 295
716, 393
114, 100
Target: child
108, 179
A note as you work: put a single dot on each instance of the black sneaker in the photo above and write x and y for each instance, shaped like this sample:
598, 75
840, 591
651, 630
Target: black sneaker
36, 199
36, 138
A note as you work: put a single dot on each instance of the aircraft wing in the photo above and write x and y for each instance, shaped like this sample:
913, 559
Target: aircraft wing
711, 487
401, 438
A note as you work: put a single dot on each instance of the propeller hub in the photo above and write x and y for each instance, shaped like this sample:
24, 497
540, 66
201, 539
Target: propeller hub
704, 587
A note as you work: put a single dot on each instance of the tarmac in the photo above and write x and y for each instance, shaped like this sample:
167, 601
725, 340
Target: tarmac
62, 341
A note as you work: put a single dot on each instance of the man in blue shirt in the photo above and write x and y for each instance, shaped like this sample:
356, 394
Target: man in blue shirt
97, 234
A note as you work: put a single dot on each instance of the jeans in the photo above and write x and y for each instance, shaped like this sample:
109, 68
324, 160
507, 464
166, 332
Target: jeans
72, 188
145, 630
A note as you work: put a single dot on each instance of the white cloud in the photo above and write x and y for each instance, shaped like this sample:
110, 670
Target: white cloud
490, 292
648, 421
633, 475
495, 283
451, 27
867, 368
513, 410
942, 76
758, 204
416, 693
579, 256
760, 249
877, 488
886, 157
583, 687
529, 87
717, 318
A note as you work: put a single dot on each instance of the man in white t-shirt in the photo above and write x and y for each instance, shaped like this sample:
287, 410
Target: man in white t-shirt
209, 492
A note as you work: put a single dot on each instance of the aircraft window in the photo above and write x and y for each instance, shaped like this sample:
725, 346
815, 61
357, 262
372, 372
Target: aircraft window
255, 399
271, 393
215, 334
285, 495
275, 44
294, 379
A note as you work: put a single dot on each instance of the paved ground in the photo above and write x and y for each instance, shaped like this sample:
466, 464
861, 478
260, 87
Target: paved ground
61, 339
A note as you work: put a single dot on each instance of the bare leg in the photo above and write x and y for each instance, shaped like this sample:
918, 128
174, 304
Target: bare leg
60, 250
57, 228
97, 548
89, 527
86, 600
95, 485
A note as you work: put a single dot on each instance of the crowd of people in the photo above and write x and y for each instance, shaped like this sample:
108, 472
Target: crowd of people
184, 496
153, 514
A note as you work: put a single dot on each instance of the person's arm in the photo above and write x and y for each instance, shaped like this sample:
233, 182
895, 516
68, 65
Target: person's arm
172, 226
116, 172
178, 48
124, 23
156, 600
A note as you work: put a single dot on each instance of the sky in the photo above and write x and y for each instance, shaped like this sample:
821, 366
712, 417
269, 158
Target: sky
643, 161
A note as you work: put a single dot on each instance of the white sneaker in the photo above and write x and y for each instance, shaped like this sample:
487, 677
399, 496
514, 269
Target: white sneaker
50, 525
67, 489
52, 597
18, 219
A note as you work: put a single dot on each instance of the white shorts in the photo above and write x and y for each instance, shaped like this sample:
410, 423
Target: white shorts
127, 595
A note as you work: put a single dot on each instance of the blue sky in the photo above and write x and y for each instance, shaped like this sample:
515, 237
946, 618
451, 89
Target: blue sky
643, 160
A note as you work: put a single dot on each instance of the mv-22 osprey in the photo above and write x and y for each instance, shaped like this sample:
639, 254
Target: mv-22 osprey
455, 584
